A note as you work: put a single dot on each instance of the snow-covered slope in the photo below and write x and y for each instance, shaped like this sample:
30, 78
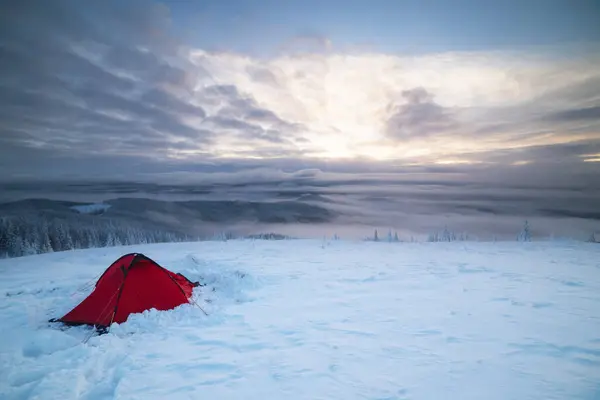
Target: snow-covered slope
296, 320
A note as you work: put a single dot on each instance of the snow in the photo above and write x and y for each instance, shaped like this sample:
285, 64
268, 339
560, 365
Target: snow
94, 208
297, 319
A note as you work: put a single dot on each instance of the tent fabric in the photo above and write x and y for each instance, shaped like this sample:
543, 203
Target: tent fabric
132, 284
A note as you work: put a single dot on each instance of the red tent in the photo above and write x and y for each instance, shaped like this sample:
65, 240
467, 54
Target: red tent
132, 284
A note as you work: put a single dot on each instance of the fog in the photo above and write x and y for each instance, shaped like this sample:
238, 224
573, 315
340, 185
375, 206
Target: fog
317, 205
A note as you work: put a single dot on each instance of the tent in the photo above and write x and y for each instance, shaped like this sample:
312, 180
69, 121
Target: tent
132, 284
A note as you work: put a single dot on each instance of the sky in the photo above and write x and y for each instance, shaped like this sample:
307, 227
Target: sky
174, 90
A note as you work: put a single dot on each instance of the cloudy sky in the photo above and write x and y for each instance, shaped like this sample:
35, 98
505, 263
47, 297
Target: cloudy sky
136, 88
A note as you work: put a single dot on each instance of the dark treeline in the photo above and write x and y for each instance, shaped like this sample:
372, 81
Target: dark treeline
28, 235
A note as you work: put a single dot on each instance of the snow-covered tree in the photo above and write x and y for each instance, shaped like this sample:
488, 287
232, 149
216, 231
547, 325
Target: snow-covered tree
44, 239
446, 235
33, 234
525, 234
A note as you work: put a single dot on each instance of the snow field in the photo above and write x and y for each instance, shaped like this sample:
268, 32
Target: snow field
290, 319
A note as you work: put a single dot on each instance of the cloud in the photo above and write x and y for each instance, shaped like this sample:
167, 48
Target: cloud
68, 80
161, 100
262, 74
577, 114
545, 155
369, 104
419, 116
111, 79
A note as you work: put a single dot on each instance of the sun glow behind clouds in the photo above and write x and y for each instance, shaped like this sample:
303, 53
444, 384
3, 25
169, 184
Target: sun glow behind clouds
342, 104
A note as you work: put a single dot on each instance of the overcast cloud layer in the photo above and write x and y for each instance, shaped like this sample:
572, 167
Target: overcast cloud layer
107, 90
